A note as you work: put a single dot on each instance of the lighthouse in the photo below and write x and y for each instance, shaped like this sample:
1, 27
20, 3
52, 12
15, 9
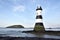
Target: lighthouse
39, 20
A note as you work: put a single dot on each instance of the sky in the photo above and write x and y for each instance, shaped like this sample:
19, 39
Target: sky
23, 12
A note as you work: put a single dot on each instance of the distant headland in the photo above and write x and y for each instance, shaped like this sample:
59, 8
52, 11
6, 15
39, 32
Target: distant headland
15, 26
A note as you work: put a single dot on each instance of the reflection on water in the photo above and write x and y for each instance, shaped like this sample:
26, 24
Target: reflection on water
17, 32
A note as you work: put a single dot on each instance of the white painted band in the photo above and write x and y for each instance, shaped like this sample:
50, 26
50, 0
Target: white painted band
38, 12
39, 21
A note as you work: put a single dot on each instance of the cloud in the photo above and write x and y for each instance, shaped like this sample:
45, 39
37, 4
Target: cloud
20, 8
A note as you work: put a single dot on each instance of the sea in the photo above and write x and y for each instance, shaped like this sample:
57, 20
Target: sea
18, 32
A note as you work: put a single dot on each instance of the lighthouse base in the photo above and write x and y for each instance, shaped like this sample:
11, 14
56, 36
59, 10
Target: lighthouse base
39, 27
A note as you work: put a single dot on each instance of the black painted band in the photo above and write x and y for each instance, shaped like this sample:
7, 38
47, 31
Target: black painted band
41, 24
39, 17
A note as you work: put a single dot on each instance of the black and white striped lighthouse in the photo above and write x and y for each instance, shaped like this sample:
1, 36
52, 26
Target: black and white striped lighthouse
39, 22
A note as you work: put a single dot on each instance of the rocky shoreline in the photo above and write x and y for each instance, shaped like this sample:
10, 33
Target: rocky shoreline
32, 38
26, 38
46, 32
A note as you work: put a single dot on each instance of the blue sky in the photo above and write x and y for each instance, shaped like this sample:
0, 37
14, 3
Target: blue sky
23, 12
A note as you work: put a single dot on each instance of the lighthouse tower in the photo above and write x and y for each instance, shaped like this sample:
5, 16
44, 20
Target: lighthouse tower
39, 23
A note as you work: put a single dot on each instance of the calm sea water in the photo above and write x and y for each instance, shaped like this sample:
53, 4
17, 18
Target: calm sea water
17, 32
53, 29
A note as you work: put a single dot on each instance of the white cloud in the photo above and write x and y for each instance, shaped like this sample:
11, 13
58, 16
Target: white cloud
20, 8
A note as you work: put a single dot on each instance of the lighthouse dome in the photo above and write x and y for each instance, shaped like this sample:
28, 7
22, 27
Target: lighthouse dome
39, 8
